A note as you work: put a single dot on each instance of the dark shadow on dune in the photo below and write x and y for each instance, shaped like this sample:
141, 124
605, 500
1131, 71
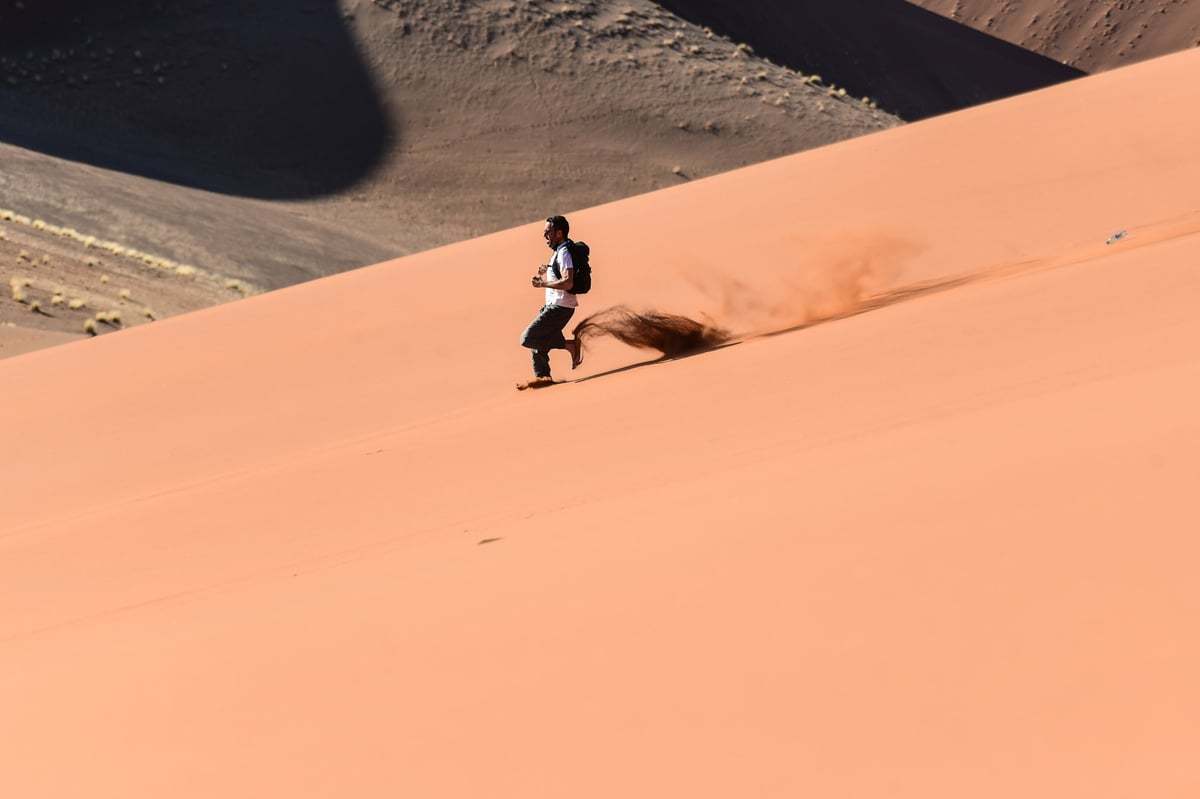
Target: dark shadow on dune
914, 62
260, 98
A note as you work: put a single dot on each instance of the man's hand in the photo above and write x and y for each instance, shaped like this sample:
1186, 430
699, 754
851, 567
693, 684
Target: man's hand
538, 282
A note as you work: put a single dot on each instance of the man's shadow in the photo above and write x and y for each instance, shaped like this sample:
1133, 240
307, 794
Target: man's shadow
259, 98
654, 362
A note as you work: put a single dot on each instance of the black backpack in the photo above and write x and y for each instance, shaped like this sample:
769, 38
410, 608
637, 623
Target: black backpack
580, 253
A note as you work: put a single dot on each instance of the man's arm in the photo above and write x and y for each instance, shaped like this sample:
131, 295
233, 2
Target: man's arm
566, 283
566, 269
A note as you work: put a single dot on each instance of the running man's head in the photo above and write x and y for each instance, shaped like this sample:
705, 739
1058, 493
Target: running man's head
556, 230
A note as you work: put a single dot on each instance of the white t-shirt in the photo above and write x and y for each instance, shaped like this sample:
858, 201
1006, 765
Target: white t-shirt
564, 265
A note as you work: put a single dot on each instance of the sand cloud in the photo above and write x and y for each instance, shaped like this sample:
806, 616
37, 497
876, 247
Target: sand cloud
670, 334
840, 275
832, 277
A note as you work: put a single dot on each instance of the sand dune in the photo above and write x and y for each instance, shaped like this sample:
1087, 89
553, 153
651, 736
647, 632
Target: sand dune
926, 530
211, 135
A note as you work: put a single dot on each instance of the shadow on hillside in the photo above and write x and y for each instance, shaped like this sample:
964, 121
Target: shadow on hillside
260, 98
914, 62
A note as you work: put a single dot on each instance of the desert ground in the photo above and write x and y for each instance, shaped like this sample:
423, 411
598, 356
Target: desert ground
923, 525
64, 285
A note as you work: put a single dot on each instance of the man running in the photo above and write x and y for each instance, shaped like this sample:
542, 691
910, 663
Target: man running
545, 332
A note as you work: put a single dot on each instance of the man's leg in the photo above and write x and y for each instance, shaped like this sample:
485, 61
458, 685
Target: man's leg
575, 348
545, 333
541, 364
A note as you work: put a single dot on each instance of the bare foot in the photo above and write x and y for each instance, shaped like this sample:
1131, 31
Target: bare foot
575, 347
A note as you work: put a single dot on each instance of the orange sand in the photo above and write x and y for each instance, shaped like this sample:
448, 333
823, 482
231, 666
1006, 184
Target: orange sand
945, 548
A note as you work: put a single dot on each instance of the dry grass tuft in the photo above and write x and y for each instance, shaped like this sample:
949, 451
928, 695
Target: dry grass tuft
88, 241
